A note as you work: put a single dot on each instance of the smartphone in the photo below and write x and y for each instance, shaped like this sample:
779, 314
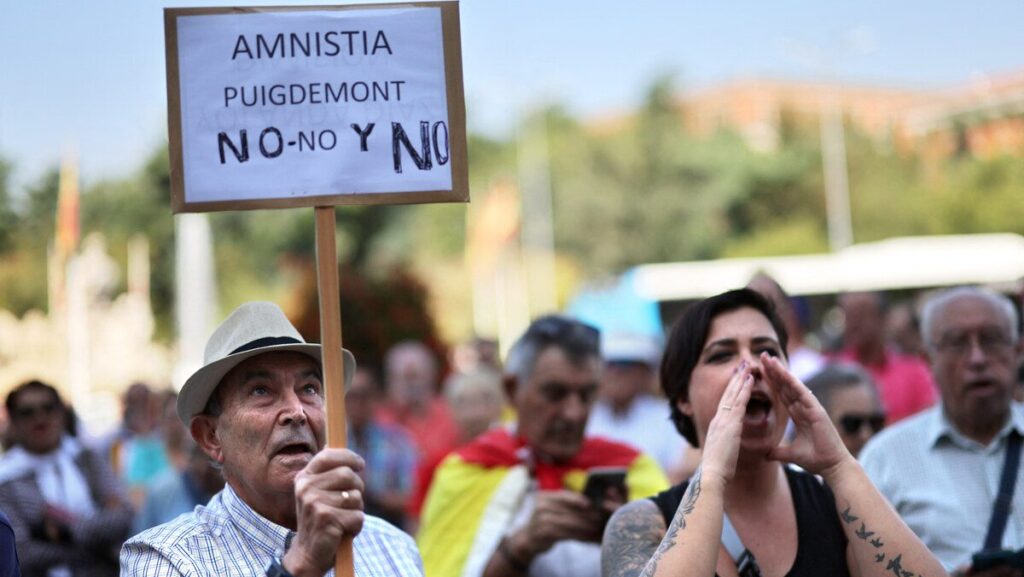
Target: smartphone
984, 560
599, 479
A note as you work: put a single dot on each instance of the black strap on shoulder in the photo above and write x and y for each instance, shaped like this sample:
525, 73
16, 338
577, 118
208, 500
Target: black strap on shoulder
746, 565
1001, 508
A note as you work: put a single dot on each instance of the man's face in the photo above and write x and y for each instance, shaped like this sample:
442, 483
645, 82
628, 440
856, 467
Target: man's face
138, 409
856, 414
360, 399
411, 377
864, 323
475, 410
554, 404
973, 360
271, 425
624, 381
37, 421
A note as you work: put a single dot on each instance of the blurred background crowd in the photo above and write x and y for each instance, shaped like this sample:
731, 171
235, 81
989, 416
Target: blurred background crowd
845, 185
411, 411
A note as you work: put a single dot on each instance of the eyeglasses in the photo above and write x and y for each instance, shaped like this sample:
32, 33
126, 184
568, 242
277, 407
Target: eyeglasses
30, 411
992, 341
853, 423
562, 330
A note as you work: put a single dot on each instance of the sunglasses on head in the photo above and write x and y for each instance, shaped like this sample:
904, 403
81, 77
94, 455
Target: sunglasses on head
852, 424
30, 411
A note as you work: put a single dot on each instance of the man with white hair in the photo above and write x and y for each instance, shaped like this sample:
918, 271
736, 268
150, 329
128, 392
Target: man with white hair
257, 409
950, 471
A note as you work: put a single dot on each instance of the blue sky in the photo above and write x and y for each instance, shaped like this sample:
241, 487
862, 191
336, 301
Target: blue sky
89, 75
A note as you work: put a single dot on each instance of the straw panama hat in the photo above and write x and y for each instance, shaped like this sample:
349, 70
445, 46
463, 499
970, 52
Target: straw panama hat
253, 329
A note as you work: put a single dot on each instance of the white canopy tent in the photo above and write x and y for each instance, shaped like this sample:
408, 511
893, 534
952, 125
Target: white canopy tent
897, 263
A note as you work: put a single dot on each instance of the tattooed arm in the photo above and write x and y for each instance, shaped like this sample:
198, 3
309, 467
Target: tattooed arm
631, 538
664, 552
637, 543
880, 543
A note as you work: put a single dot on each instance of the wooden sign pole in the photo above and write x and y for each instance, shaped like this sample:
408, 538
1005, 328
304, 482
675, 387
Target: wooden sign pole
333, 362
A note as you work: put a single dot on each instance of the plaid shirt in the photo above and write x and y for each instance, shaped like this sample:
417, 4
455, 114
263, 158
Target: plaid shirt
227, 538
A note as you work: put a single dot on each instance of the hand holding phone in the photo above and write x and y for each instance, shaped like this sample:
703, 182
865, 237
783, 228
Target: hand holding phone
600, 479
985, 560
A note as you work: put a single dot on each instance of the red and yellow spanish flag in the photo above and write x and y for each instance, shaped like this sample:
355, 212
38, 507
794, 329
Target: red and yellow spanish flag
479, 488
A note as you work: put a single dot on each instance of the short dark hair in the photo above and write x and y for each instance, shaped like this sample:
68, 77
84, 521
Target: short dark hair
577, 339
11, 403
686, 341
838, 376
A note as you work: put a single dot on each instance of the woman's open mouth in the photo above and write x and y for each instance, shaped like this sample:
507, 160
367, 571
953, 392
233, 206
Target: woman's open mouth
759, 409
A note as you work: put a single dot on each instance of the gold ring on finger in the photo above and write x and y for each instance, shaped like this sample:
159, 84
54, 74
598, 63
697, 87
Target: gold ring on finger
727, 407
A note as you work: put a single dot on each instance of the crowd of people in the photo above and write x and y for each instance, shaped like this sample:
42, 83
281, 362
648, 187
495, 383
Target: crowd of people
736, 445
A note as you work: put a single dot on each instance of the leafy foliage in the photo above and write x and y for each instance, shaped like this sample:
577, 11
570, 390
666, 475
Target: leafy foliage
639, 189
377, 311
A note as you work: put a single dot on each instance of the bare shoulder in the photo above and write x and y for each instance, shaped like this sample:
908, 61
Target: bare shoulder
631, 538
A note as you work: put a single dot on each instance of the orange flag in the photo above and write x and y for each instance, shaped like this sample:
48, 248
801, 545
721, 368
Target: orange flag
67, 208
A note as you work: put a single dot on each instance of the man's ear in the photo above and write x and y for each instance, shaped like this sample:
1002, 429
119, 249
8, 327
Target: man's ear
204, 432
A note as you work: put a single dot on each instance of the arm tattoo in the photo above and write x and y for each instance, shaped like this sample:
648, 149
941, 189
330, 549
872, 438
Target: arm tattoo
895, 564
678, 524
848, 517
863, 533
632, 536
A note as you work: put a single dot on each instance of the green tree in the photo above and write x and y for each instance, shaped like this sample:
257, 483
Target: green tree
8, 215
23, 265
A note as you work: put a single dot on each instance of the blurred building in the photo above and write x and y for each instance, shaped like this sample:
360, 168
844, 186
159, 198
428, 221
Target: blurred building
96, 344
759, 109
982, 117
96, 338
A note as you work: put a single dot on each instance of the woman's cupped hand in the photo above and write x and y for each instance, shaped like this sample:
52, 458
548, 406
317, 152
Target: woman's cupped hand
816, 446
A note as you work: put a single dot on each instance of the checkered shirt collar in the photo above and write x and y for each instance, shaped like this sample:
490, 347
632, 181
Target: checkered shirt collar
264, 533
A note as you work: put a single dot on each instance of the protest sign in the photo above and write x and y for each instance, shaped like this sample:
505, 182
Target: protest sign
315, 106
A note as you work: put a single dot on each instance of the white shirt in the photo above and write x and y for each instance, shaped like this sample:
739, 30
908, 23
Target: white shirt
565, 558
944, 484
645, 425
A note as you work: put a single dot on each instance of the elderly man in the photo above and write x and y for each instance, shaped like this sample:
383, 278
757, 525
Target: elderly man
509, 503
67, 510
413, 403
257, 409
943, 469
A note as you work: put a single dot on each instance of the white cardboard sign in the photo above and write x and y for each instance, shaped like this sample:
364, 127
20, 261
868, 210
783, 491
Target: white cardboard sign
315, 106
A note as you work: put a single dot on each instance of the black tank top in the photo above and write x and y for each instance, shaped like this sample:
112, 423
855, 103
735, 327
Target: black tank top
821, 543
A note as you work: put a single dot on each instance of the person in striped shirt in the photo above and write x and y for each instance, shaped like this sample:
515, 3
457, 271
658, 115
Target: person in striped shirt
256, 408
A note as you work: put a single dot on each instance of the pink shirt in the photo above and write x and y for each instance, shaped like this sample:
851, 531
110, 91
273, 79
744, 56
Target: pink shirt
904, 382
434, 431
